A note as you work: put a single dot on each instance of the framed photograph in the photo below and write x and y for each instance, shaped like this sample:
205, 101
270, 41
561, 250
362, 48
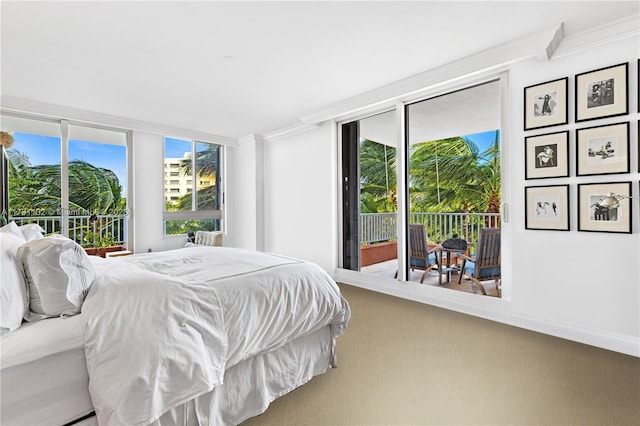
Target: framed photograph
602, 150
604, 207
545, 104
546, 156
547, 207
602, 93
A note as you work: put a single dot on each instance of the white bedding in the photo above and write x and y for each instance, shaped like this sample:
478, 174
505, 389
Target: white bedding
44, 377
163, 327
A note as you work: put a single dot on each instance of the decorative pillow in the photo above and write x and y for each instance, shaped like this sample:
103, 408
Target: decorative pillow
13, 288
31, 231
59, 274
13, 229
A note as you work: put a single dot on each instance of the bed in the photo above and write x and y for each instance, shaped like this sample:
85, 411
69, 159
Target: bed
199, 335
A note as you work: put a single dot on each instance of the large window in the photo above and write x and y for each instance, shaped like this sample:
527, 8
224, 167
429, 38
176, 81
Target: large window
192, 186
69, 178
444, 178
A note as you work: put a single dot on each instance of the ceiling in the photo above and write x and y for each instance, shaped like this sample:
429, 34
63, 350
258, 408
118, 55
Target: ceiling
237, 68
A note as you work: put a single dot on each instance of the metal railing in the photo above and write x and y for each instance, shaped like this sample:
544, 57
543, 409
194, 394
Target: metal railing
378, 227
85, 230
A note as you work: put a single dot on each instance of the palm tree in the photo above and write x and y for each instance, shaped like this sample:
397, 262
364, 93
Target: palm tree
36, 190
378, 177
451, 175
206, 165
206, 162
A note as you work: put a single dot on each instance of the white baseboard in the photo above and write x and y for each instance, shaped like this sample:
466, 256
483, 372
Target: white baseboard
490, 308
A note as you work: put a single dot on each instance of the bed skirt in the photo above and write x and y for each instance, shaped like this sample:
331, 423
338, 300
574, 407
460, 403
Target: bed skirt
250, 386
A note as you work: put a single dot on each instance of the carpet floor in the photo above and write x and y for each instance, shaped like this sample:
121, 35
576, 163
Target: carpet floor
406, 363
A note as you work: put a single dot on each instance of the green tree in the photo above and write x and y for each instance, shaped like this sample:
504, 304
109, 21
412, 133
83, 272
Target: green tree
206, 165
451, 175
378, 177
36, 190
448, 175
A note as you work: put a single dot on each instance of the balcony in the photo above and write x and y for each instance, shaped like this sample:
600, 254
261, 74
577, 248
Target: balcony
90, 231
378, 234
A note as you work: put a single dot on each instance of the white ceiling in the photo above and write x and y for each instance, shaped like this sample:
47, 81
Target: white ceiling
236, 68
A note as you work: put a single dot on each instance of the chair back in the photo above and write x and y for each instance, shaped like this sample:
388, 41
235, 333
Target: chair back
458, 244
488, 253
417, 242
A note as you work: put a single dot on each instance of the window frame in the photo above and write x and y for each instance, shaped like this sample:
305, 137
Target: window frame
399, 104
194, 213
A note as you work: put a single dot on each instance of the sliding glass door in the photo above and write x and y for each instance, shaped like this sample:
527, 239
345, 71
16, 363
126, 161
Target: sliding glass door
451, 181
369, 191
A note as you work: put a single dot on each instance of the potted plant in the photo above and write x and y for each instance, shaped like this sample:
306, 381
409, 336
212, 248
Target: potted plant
99, 245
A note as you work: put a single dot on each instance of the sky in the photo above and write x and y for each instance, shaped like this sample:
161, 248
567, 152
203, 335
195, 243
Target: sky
45, 150
483, 140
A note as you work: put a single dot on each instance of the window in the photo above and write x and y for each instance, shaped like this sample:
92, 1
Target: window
68, 178
194, 201
449, 180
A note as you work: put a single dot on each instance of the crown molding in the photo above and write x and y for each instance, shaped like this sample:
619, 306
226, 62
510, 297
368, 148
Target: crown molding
495, 58
251, 139
286, 132
30, 107
607, 33
546, 44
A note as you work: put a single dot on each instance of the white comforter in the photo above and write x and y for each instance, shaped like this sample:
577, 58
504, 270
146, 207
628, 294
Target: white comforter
163, 327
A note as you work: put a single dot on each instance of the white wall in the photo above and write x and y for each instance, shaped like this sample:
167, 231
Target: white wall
579, 285
148, 197
590, 280
241, 196
300, 202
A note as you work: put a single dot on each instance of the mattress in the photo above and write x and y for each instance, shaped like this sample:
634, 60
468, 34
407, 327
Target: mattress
44, 373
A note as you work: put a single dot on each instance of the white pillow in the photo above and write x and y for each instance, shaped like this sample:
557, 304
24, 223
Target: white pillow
13, 289
13, 229
31, 231
59, 274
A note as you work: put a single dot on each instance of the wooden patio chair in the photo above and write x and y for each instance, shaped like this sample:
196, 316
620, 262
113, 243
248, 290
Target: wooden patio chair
485, 265
420, 256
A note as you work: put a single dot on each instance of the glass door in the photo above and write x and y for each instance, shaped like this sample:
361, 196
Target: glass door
454, 177
369, 191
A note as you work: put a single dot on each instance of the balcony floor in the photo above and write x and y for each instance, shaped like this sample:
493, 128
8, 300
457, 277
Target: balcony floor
388, 269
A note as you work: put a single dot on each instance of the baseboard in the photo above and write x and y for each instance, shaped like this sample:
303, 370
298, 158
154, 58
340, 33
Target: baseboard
490, 308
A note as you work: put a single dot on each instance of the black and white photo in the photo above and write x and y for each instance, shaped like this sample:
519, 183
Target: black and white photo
546, 156
602, 93
545, 104
603, 150
547, 207
604, 207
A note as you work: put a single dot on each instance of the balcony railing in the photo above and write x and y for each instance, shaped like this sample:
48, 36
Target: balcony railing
377, 227
83, 229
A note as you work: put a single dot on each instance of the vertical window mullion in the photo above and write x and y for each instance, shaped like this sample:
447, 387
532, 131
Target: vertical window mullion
194, 174
64, 178
402, 165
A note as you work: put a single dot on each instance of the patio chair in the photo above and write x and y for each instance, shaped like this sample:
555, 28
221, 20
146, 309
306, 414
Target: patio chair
485, 265
420, 256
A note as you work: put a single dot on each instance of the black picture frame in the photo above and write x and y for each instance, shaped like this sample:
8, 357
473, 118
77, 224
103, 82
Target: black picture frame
595, 218
603, 150
546, 155
547, 208
545, 104
602, 93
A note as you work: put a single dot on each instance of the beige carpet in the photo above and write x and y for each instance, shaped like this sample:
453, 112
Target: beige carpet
406, 363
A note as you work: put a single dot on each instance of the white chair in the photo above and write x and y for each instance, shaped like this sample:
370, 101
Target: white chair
207, 238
